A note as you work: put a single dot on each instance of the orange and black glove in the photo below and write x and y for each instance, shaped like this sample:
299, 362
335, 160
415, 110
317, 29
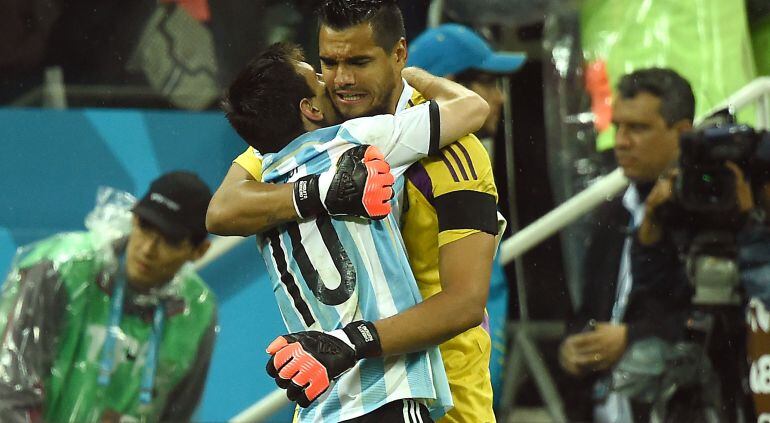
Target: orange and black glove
360, 185
306, 363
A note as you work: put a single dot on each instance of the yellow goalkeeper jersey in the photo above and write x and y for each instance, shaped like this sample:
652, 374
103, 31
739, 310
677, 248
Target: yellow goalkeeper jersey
449, 197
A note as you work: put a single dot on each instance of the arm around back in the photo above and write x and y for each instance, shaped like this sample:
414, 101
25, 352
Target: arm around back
244, 206
461, 110
458, 307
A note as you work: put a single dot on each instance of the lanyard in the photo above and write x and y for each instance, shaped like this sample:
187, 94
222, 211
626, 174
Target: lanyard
116, 312
107, 364
148, 375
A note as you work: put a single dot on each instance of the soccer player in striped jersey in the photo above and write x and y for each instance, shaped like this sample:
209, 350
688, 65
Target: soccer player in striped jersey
449, 221
343, 285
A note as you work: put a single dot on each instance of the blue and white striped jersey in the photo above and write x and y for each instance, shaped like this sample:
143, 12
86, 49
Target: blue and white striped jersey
327, 272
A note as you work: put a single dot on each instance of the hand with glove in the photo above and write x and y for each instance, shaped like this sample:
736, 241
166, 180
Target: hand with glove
360, 185
305, 363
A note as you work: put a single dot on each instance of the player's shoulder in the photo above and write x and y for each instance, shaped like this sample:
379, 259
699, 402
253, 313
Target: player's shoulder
475, 149
251, 161
465, 160
251, 155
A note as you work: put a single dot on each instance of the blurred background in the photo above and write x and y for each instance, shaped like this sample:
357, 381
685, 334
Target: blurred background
108, 92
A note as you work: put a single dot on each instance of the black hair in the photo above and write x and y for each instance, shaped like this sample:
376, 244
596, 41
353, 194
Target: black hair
262, 103
677, 101
383, 16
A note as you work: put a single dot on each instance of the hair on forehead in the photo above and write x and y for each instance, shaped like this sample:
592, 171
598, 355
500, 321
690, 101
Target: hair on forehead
677, 100
383, 16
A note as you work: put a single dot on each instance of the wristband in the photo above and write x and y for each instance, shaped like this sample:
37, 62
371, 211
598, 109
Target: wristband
307, 201
365, 338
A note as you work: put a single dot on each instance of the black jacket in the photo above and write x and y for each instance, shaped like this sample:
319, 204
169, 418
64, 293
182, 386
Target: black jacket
660, 296
657, 304
601, 264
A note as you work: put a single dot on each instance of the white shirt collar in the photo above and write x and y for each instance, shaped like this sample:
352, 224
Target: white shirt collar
406, 95
633, 204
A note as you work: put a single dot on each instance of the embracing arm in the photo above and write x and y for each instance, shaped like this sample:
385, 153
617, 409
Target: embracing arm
462, 111
408, 136
305, 363
458, 307
244, 206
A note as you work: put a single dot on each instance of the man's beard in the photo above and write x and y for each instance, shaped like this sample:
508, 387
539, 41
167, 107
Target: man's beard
380, 109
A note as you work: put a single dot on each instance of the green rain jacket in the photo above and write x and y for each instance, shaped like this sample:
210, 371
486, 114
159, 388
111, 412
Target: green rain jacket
54, 315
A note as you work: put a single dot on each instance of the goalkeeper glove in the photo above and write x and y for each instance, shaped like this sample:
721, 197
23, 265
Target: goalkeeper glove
360, 185
305, 363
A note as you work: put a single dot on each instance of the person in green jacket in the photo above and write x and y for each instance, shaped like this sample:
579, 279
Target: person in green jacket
112, 324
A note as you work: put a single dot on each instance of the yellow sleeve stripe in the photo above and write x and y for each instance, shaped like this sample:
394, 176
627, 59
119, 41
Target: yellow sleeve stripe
417, 98
251, 161
448, 237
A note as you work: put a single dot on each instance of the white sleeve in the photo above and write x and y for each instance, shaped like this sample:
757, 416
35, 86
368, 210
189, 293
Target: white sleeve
403, 138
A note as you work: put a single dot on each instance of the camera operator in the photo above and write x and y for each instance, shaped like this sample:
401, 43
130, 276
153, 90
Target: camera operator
703, 229
653, 107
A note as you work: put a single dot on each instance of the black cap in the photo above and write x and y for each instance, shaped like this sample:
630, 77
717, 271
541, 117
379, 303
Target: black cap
176, 204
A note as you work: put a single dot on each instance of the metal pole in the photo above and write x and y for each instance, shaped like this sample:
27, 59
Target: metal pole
435, 12
513, 215
54, 94
553, 221
219, 247
264, 408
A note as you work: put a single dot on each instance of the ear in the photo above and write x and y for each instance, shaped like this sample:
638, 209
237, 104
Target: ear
401, 51
310, 111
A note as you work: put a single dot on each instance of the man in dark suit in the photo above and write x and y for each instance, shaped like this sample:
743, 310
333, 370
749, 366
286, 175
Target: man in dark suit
652, 108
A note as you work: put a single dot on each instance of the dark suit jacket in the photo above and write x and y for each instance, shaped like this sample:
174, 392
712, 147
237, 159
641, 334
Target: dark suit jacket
657, 304
609, 226
601, 265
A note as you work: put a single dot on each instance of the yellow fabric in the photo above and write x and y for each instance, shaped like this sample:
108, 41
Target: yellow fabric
420, 222
466, 356
251, 161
